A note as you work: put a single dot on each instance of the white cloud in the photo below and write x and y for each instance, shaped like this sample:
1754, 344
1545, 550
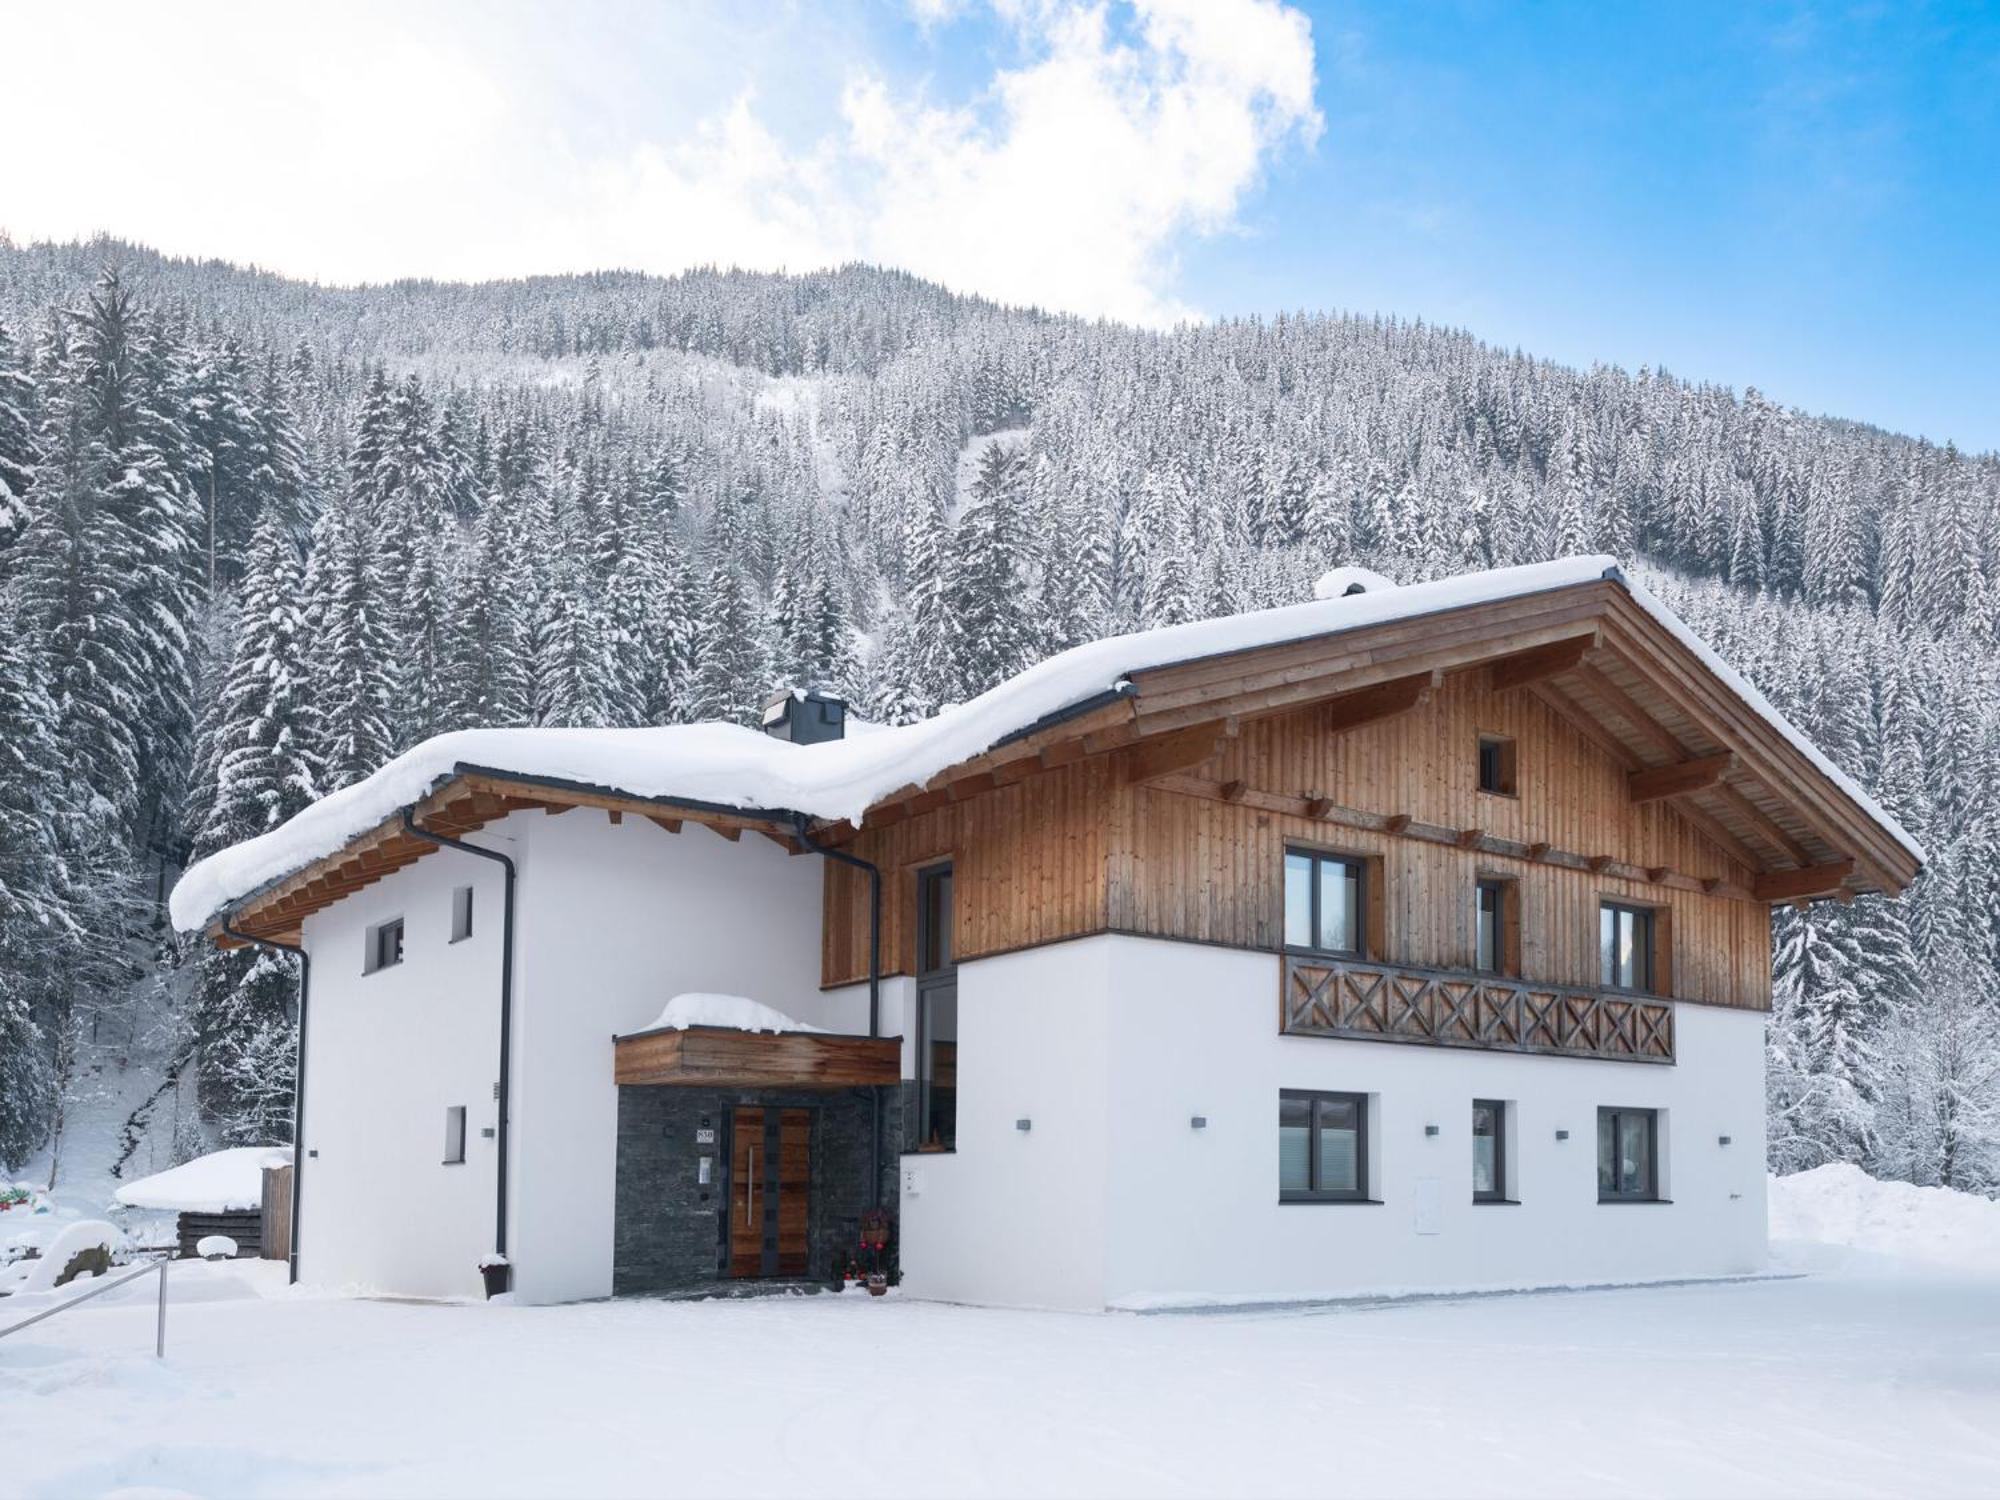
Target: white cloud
389, 145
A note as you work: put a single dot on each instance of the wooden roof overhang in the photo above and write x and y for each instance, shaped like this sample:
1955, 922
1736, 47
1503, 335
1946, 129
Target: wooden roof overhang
722, 1057
470, 798
1589, 651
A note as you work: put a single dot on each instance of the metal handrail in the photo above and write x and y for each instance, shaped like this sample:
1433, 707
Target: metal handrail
147, 1269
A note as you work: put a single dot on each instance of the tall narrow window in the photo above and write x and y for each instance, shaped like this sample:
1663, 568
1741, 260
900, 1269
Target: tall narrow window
1628, 1169
385, 946
1496, 765
937, 1014
1490, 920
461, 914
1489, 1151
1322, 1147
1625, 946
1325, 902
454, 1135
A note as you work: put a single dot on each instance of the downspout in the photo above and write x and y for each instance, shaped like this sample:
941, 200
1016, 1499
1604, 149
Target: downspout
298, 1085
503, 1090
802, 824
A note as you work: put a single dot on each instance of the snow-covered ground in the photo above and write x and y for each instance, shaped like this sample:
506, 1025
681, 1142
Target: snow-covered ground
1876, 1377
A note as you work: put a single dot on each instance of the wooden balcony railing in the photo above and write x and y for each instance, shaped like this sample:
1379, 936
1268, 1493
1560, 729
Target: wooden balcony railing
1364, 1001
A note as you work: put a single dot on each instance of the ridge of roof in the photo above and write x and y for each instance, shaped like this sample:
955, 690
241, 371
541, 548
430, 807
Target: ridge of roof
729, 766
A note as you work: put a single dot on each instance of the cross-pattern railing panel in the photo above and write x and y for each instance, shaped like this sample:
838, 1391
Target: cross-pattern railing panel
1350, 998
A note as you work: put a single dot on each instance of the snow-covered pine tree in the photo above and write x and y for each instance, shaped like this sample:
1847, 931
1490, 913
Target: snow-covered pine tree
261, 753
350, 667
988, 582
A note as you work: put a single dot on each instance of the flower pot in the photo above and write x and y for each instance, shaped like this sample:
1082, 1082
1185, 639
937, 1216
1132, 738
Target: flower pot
878, 1286
497, 1278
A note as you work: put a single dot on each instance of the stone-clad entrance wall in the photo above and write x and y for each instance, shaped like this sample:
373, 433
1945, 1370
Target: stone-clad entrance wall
670, 1229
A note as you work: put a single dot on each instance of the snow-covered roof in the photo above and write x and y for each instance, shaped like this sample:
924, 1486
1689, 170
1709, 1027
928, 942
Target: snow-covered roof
727, 766
226, 1181
733, 1012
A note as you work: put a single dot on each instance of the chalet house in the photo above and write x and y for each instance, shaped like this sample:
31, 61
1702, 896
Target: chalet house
1412, 938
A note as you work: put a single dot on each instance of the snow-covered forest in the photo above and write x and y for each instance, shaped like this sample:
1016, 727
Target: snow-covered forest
258, 536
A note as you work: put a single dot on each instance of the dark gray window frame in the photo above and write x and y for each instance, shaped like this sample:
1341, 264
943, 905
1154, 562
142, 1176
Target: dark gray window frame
462, 901
1607, 1117
1499, 1193
1359, 865
1499, 889
1505, 780
933, 979
1314, 1098
373, 961
454, 1135
1648, 924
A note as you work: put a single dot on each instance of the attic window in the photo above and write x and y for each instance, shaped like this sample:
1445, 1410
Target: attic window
385, 946
1496, 765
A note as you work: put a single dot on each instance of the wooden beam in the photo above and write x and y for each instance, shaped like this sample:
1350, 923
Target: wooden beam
1397, 822
971, 786
1543, 662
1795, 885
1318, 806
671, 825
1468, 838
1386, 700
1765, 825
1232, 791
789, 845
1578, 718
731, 834
1678, 780
616, 815
1621, 703
1182, 750
1538, 851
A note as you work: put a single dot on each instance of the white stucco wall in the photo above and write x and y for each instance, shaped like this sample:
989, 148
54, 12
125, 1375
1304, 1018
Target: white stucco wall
1112, 1044
386, 1054
1020, 1217
615, 921
611, 922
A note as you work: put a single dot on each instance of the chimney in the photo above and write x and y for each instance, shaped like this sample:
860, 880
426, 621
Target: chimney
805, 717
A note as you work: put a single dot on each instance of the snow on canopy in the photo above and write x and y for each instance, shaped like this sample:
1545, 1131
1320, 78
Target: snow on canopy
736, 1012
227, 1181
729, 766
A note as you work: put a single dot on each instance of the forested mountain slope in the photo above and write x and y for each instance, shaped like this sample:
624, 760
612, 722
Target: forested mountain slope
256, 536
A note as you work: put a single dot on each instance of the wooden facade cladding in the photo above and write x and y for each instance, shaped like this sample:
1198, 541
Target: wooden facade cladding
1198, 854
720, 1057
1361, 1001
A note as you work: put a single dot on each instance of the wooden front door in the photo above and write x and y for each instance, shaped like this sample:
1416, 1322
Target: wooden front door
770, 1186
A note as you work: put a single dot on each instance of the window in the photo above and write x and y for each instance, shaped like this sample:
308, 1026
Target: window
461, 914
1322, 1147
1625, 946
1325, 898
1496, 765
937, 1014
385, 946
454, 1135
1493, 920
1489, 1151
1628, 1156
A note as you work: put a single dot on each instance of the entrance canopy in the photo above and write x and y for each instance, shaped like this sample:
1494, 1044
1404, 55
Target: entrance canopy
725, 1057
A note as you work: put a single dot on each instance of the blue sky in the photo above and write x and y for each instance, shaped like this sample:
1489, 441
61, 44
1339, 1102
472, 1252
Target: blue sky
1800, 197
1804, 198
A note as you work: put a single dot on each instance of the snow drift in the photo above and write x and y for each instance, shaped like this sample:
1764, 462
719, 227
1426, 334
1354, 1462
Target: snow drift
1842, 1207
725, 765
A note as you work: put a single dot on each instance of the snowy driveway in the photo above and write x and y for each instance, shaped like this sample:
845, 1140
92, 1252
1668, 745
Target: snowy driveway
1833, 1385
